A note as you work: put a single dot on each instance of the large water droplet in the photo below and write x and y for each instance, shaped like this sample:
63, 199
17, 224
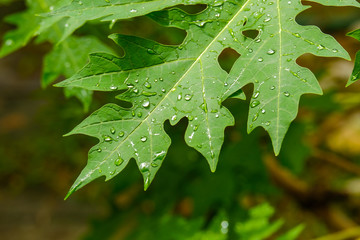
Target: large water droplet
121, 134
9, 42
119, 161
144, 167
204, 107
320, 47
255, 117
112, 130
151, 51
148, 94
147, 85
267, 19
254, 103
256, 94
107, 138
146, 103
188, 97
271, 52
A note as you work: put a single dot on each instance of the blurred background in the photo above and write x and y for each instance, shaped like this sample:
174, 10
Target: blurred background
315, 181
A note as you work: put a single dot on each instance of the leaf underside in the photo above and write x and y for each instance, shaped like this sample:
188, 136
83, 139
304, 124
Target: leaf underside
173, 82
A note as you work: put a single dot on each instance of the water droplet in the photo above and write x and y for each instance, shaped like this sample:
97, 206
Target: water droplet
200, 23
255, 117
147, 85
9, 42
188, 97
172, 72
119, 161
256, 94
320, 47
272, 87
287, 94
174, 117
218, 3
151, 51
163, 90
113, 87
260, 59
144, 167
121, 134
112, 130
66, 25
267, 123
263, 111
133, 10
146, 103
143, 139
154, 164
254, 103
99, 150
139, 114
267, 19
148, 94
203, 106
161, 79
217, 15
107, 138
250, 50
100, 171
80, 3
335, 50
297, 35
270, 52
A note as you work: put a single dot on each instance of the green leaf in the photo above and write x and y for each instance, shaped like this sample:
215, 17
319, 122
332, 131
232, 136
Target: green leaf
356, 72
172, 82
28, 24
259, 227
81, 11
64, 59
